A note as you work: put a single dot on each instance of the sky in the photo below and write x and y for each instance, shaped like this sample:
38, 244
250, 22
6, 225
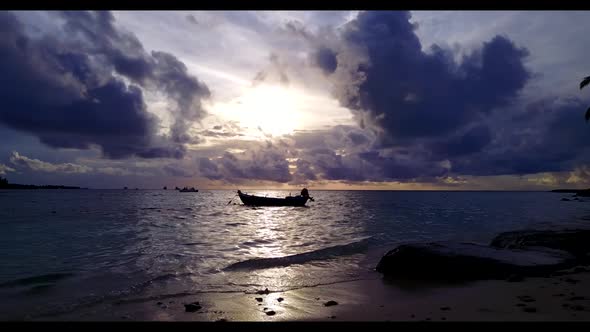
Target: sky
385, 100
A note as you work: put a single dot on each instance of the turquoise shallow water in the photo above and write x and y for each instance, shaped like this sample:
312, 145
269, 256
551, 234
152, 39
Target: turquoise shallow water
66, 249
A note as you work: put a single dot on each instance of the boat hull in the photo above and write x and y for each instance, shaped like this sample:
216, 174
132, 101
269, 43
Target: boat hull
252, 200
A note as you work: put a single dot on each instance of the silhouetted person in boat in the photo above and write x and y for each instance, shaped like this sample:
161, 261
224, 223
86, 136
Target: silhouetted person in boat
305, 193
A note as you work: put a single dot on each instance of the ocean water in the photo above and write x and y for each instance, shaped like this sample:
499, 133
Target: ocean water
64, 250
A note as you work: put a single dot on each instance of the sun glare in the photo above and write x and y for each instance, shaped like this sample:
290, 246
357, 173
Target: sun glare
273, 110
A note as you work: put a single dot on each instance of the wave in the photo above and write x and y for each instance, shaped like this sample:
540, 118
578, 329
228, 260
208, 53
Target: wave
41, 279
314, 255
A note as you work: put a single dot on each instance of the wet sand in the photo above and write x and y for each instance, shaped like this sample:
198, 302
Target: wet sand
557, 298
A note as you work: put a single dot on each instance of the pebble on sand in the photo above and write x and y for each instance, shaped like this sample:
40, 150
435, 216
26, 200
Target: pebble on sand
330, 303
192, 307
259, 299
576, 298
445, 308
280, 299
526, 298
270, 313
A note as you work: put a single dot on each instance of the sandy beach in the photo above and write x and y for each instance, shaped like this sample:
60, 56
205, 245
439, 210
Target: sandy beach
563, 297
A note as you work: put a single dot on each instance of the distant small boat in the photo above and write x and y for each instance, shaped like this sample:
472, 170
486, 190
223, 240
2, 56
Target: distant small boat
188, 190
253, 200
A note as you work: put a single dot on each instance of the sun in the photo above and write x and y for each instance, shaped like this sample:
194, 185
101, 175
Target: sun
267, 110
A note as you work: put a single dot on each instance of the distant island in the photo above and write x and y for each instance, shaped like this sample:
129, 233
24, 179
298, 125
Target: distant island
578, 192
5, 185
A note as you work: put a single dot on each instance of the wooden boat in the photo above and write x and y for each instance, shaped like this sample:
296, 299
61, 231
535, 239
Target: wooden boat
253, 200
188, 190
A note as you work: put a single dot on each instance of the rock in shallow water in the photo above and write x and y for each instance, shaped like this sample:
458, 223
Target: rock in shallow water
574, 241
468, 261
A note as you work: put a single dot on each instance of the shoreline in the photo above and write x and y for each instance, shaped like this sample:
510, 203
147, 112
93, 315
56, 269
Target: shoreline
562, 297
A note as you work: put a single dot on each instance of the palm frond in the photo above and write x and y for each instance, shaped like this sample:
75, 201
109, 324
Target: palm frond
584, 82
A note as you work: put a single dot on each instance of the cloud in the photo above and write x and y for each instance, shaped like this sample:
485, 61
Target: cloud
276, 71
38, 165
83, 87
4, 169
548, 136
114, 171
404, 93
325, 58
191, 18
265, 163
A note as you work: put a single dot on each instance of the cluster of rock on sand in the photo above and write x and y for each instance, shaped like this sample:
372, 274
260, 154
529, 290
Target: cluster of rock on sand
511, 255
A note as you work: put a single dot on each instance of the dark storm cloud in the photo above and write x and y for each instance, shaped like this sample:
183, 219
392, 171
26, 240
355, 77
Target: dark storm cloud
62, 88
265, 163
325, 58
550, 136
404, 93
472, 141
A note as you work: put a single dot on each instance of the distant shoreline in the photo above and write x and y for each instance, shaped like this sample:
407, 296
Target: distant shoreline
31, 186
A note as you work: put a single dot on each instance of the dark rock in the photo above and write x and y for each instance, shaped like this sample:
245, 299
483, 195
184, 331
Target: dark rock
192, 307
263, 292
332, 317
330, 303
559, 295
53, 211
574, 241
259, 299
221, 320
565, 305
280, 299
159, 303
412, 315
565, 199
445, 308
443, 318
270, 313
529, 309
468, 261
